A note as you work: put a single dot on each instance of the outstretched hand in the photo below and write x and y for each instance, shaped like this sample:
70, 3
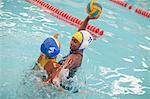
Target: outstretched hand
90, 17
56, 35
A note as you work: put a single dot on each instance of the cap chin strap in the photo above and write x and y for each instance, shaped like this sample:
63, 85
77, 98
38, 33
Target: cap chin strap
71, 51
81, 42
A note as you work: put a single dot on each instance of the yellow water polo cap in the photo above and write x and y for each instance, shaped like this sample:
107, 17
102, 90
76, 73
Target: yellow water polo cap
84, 37
78, 36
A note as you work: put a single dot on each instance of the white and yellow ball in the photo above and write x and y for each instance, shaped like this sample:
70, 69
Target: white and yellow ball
94, 9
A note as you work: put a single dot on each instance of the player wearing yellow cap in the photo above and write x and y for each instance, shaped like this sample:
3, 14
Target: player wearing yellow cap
70, 63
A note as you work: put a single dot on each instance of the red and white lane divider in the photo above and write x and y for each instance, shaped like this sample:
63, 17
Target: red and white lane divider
95, 31
129, 6
122, 3
142, 12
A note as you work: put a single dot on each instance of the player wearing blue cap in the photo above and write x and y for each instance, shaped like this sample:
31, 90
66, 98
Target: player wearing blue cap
50, 48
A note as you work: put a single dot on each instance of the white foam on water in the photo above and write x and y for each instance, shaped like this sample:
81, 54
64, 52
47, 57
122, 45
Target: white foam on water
112, 76
94, 51
95, 84
126, 28
114, 25
68, 33
127, 60
132, 56
109, 34
24, 14
89, 76
7, 24
110, 17
116, 87
146, 37
143, 59
23, 20
105, 71
110, 12
133, 88
49, 21
144, 47
104, 40
144, 65
70, 3
32, 8
1, 5
140, 70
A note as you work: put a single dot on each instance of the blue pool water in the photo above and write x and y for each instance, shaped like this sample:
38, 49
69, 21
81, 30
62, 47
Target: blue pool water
115, 66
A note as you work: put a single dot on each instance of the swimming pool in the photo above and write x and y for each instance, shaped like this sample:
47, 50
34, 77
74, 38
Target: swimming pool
115, 66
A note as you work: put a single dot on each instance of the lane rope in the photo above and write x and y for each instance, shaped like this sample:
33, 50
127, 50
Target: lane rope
60, 14
129, 6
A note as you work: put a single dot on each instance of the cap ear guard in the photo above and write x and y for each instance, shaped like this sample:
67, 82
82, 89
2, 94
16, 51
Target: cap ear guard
56, 40
87, 39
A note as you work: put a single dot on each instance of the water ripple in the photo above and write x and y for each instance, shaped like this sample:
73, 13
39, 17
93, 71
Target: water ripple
7, 24
42, 19
140, 70
122, 84
24, 14
134, 86
24, 20
1, 5
109, 17
128, 60
7, 15
144, 47
144, 65
147, 38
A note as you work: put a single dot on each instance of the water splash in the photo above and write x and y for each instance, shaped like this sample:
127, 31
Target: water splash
132, 83
112, 82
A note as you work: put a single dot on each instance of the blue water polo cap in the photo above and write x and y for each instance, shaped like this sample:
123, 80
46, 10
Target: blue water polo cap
50, 47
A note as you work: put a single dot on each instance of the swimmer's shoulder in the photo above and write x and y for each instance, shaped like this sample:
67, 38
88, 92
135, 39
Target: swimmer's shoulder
74, 58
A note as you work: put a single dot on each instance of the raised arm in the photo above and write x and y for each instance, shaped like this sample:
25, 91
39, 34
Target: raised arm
84, 24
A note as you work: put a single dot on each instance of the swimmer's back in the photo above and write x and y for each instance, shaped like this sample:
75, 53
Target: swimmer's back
43, 60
